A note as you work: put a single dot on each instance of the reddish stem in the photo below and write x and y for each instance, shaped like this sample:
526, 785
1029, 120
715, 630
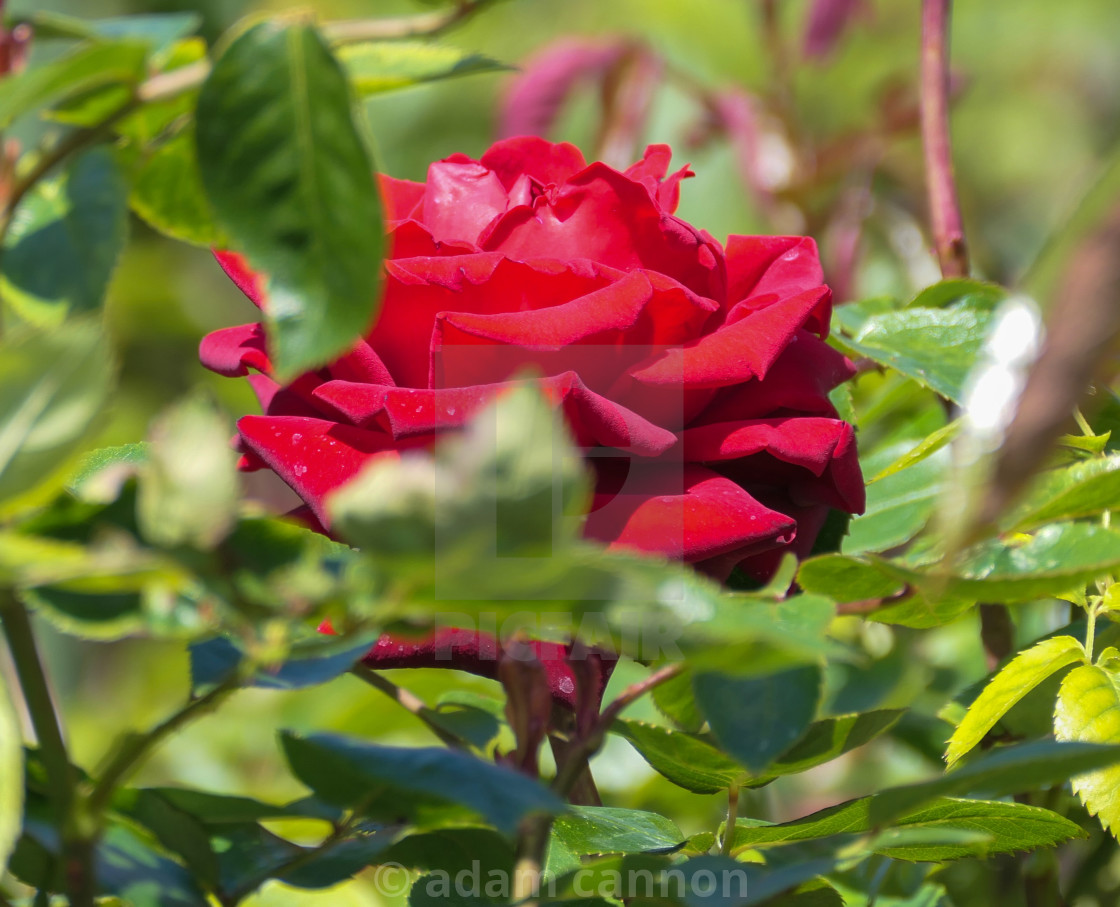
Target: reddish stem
945, 213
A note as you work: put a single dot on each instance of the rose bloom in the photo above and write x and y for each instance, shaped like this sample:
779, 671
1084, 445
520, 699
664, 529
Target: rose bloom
694, 376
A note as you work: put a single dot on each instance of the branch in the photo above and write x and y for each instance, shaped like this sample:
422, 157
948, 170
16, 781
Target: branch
133, 748
77, 855
409, 701
350, 31
945, 214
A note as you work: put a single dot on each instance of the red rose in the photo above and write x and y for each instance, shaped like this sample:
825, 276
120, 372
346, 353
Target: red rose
695, 376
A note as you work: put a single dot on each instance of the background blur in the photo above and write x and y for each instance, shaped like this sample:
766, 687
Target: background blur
786, 133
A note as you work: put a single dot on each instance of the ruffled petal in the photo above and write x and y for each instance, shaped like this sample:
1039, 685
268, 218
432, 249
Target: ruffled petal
686, 512
233, 351
313, 456
544, 161
761, 270
605, 216
759, 452
462, 198
402, 198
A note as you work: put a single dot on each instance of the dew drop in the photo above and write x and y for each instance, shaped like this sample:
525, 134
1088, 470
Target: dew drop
297, 437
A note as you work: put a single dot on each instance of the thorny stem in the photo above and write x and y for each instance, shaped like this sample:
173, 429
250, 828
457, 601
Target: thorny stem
409, 701
945, 214
533, 837
77, 854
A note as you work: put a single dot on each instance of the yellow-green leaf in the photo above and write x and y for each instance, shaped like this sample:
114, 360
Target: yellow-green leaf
1088, 711
1026, 671
11, 773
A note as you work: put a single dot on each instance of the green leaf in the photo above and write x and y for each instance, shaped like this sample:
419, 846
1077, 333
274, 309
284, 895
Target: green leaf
756, 719
129, 869
602, 829
1001, 827
65, 239
832, 737
957, 291
52, 387
291, 182
87, 67
378, 66
899, 504
1057, 558
999, 772
1088, 711
1021, 675
688, 761
11, 771
188, 485
935, 347
1083, 489
158, 30
676, 701
846, 579
101, 473
213, 660
401, 782
812, 894
926, 448
167, 192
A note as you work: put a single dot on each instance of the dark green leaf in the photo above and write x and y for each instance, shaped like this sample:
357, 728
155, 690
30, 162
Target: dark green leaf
958, 291
399, 782
378, 66
65, 239
213, 660
129, 869
1088, 711
603, 829
756, 719
88, 66
291, 183
676, 701
686, 760
52, 387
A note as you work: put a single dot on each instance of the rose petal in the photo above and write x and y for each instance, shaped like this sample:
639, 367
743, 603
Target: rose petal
609, 218
544, 161
826, 448
462, 198
411, 239
688, 512
740, 351
313, 456
361, 364
417, 289
233, 351
248, 281
651, 170
402, 198
798, 381
767, 268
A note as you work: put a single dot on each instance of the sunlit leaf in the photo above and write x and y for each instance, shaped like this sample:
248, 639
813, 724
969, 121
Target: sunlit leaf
377, 66
1021, 675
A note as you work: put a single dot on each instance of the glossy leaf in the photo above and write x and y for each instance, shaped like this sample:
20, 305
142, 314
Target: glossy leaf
1001, 828
65, 239
88, 66
188, 484
935, 347
602, 829
1021, 675
290, 181
756, 719
957, 291
377, 66
688, 761
846, 579
52, 387
924, 449
1088, 711
1083, 489
395, 782
11, 771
